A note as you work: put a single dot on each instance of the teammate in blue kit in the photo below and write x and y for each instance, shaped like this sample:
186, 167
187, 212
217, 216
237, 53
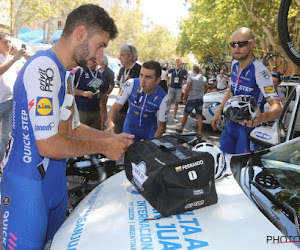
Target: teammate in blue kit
148, 104
46, 130
249, 77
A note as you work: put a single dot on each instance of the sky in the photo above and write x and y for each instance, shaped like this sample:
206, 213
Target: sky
165, 12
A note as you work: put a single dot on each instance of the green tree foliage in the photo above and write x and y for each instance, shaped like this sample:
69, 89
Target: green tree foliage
208, 29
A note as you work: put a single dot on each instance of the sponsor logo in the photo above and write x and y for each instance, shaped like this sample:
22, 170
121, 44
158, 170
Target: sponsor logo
5, 218
6, 201
26, 139
155, 98
262, 135
194, 204
14, 116
198, 192
44, 127
269, 89
265, 74
46, 78
121, 91
30, 104
146, 116
193, 164
136, 113
44, 106
139, 174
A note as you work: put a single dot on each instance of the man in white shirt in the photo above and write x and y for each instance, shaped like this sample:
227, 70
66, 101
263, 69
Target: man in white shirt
222, 80
8, 75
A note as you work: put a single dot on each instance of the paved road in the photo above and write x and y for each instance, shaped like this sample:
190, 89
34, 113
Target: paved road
207, 134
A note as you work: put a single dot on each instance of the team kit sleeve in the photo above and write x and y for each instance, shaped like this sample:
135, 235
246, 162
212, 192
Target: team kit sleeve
164, 109
125, 92
265, 83
42, 83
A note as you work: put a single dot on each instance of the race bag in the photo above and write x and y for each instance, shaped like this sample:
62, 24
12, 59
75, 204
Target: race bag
172, 178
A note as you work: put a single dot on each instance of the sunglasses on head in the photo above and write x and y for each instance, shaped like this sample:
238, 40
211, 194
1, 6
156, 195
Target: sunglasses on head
240, 44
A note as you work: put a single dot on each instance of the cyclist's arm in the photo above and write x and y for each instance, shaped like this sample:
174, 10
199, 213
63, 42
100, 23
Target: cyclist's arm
61, 146
161, 128
112, 117
217, 117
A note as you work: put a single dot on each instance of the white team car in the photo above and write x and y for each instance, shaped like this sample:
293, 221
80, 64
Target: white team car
257, 208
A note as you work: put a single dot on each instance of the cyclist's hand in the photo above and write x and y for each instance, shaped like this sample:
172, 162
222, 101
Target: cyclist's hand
114, 148
255, 121
126, 138
111, 129
216, 120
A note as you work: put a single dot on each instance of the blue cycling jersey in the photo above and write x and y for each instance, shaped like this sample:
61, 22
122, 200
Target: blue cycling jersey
33, 188
144, 110
254, 80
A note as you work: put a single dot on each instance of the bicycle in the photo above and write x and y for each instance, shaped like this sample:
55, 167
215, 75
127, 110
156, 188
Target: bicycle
273, 62
217, 65
86, 173
288, 19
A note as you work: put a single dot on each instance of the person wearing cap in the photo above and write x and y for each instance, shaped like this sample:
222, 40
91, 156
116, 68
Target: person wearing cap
108, 85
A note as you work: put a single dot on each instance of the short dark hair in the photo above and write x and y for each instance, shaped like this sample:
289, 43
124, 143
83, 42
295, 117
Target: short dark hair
153, 65
94, 18
196, 68
278, 76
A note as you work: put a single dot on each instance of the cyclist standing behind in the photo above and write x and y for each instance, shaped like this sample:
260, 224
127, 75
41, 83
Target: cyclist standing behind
148, 104
249, 77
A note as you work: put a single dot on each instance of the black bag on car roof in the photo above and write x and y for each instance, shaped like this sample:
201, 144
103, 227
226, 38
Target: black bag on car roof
172, 178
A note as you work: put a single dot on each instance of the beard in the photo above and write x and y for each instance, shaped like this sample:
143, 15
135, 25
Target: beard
240, 56
82, 53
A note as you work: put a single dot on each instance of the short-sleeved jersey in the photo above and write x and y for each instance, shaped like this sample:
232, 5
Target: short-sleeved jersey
177, 77
108, 79
144, 110
255, 80
88, 80
39, 94
125, 75
198, 82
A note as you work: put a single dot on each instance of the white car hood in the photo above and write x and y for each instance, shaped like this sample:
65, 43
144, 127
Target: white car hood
112, 217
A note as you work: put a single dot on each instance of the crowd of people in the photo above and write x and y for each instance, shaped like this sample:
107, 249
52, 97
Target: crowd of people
48, 115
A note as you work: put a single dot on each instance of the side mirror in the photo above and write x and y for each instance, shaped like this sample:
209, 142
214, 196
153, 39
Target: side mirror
266, 136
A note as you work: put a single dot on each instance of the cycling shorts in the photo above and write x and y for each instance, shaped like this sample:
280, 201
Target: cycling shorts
235, 139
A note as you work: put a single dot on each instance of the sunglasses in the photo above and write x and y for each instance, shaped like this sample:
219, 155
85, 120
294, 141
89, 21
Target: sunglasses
240, 44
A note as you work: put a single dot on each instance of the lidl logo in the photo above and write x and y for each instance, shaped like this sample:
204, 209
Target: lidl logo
178, 169
44, 106
269, 89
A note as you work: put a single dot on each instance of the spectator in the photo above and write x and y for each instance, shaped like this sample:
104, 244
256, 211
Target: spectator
277, 78
46, 131
108, 86
89, 84
148, 104
130, 69
249, 77
193, 99
8, 73
178, 77
222, 81
163, 82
